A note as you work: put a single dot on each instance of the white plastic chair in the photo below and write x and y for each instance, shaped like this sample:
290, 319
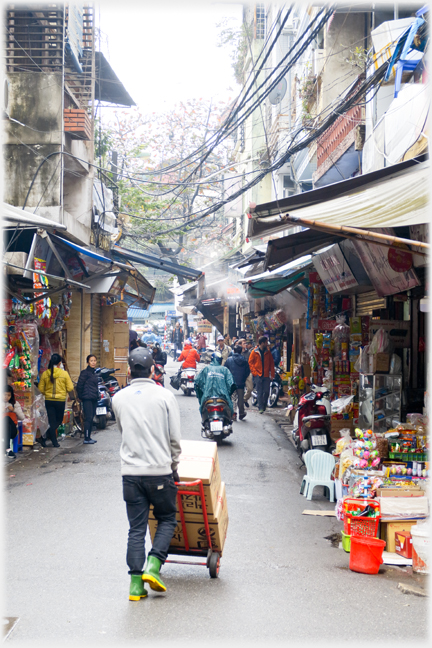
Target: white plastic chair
322, 465
307, 457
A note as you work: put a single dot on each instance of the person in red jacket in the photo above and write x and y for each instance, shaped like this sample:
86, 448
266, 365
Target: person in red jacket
189, 355
262, 367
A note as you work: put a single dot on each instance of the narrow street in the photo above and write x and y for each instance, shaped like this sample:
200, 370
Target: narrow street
280, 577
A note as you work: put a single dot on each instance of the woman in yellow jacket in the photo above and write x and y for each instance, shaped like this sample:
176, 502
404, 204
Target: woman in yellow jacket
55, 383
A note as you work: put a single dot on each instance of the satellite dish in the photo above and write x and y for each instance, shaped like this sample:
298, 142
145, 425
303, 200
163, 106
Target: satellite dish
278, 93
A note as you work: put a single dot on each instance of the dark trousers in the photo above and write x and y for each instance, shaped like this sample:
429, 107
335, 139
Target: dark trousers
238, 400
89, 409
177, 349
55, 411
262, 386
138, 493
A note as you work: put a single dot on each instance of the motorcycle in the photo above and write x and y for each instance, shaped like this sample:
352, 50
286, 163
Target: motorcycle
103, 407
109, 380
216, 419
276, 390
187, 378
158, 374
311, 428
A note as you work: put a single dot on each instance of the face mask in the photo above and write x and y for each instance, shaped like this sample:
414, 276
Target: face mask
61, 365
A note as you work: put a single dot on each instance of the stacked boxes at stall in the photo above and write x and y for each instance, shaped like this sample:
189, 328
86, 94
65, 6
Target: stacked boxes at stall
199, 460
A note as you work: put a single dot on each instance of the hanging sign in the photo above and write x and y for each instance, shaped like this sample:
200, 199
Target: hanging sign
204, 326
400, 260
384, 278
334, 270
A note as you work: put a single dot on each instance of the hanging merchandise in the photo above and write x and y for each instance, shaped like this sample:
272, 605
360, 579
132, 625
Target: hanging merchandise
22, 311
24, 364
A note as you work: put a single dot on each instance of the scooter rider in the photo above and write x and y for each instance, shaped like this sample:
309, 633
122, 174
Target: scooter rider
215, 381
149, 420
159, 356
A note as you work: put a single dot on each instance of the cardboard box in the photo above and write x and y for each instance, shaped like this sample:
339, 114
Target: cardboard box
196, 533
379, 363
192, 508
403, 543
199, 460
389, 529
337, 425
400, 492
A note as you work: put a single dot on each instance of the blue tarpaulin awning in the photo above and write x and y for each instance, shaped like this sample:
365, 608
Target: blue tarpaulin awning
155, 262
83, 250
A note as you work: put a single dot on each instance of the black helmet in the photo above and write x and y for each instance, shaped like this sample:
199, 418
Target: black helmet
140, 358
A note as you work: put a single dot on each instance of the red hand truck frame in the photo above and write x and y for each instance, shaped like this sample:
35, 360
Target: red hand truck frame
212, 557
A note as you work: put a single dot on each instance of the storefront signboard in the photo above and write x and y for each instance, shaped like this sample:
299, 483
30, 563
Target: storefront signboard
334, 271
204, 326
384, 278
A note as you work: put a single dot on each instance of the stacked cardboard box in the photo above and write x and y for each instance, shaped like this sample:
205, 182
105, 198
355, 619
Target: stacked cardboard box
199, 460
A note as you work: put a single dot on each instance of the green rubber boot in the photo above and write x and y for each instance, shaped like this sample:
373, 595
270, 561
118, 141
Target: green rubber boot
151, 574
137, 590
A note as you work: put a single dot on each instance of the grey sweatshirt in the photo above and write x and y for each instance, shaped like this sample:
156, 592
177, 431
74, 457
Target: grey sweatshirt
149, 419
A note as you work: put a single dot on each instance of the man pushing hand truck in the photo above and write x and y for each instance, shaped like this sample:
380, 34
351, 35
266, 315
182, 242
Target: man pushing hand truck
149, 420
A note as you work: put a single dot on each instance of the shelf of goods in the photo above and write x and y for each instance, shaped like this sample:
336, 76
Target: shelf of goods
380, 400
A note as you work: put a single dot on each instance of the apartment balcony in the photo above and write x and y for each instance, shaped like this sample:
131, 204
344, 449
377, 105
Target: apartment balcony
77, 123
338, 148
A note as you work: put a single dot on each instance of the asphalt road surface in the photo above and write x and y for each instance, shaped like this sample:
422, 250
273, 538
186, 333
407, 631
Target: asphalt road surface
281, 578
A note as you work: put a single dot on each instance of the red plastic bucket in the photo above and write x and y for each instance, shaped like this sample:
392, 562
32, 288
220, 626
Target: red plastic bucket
366, 554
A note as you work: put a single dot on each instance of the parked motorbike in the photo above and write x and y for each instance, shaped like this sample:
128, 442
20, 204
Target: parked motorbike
109, 380
158, 374
216, 419
312, 421
103, 407
276, 390
187, 378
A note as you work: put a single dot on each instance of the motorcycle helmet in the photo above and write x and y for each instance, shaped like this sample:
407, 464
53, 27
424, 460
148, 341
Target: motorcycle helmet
140, 358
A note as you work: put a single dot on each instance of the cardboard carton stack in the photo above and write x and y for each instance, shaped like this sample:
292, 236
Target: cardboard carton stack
199, 460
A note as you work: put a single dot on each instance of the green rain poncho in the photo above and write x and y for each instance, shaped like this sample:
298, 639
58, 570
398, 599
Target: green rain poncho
214, 380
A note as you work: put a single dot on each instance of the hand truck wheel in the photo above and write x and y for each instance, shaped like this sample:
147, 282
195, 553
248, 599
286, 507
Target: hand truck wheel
214, 565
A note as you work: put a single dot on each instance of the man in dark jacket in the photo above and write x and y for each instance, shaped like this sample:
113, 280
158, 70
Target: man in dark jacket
177, 339
88, 392
239, 367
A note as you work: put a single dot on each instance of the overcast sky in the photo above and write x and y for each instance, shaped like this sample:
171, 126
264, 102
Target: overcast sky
165, 51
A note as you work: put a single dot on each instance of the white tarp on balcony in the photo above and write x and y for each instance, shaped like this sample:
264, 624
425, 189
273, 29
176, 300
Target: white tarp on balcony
399, 129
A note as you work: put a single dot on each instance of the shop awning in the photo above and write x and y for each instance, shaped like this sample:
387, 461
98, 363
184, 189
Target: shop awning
108, 86
155, 262
290, 248
14, 216
390, 197
131, 286
83, 250
271, 283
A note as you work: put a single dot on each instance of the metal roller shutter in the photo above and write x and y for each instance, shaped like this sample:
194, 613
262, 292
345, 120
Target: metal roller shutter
368, 302
96, 326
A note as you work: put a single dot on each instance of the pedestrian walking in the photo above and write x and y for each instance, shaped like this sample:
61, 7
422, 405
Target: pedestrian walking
177, 338
88, 393
223, 349
55, 384
262, 367
201, 342
246, 351
149, 420
240, 370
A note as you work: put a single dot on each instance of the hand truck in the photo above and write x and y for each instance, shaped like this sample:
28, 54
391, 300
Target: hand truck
212, 557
